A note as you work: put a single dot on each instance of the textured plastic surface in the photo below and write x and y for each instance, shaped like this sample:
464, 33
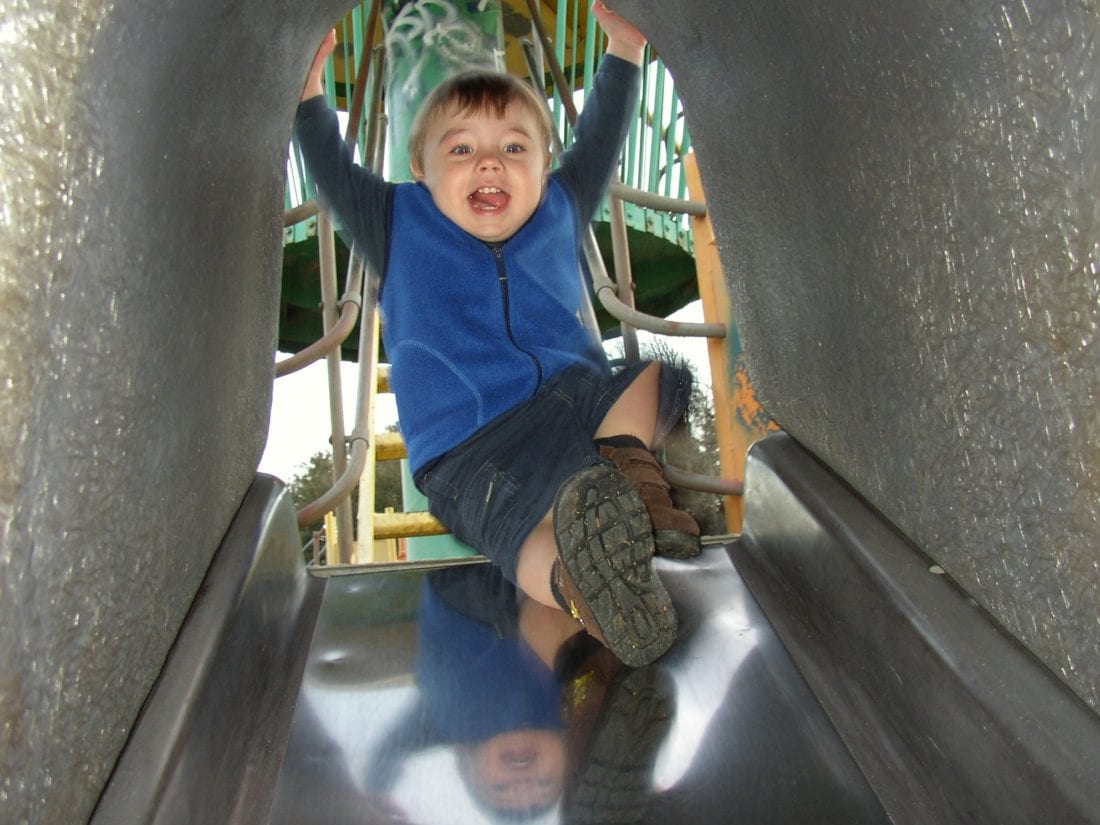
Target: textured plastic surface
905, 200
142, 149
211, 738
904, 194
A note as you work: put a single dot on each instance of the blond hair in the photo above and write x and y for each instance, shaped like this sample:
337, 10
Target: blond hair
477, 91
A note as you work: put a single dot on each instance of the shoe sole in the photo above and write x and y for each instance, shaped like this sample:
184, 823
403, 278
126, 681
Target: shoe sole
605, 541
676, 544
612, 785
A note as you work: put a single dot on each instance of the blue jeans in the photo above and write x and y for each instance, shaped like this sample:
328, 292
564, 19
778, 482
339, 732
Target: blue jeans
496, 486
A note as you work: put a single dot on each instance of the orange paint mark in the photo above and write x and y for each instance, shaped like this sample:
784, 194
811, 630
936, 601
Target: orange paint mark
750, 412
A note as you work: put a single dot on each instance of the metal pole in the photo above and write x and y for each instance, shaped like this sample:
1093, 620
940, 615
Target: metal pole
327, 243
624, 277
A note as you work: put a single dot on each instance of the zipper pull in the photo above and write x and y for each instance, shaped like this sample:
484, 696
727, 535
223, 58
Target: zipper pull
498, 253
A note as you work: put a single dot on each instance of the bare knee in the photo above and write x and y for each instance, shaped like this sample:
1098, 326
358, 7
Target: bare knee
635, 411
536, 560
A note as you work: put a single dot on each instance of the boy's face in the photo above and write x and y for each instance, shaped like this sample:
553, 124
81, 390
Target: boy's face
519, 769
485, 173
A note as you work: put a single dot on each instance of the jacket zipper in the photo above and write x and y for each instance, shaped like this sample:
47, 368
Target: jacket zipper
502, 278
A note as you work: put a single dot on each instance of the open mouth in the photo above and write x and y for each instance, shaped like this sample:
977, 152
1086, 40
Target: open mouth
518, 757
488, 199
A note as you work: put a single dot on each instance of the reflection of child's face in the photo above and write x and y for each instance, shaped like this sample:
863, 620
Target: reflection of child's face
518, 770
485, 173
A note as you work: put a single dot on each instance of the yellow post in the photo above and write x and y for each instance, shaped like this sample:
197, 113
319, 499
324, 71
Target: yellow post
739, 418
390, 525
385, 548
369, 550
332, 539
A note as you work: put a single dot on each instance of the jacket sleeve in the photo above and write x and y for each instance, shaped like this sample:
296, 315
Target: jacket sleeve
587, 167
356, 196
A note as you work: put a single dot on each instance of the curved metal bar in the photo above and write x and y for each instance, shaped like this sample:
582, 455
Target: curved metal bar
301, 212
650, 323
341, 489
359, 438
703, 483
349, 313
606, 291
624, 276
658, 203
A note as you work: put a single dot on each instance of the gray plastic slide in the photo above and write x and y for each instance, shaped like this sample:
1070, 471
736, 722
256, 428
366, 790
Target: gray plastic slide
904, 196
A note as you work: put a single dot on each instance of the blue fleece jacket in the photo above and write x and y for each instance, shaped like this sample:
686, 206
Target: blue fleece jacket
472, 329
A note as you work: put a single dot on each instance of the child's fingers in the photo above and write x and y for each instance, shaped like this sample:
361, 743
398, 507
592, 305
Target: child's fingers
323, 51
328, 45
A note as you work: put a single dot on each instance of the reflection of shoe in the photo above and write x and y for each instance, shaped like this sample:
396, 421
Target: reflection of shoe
604, 570
616, 720
675, 532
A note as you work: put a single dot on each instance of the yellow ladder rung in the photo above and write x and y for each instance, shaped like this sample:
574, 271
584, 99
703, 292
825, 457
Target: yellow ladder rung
389, 447
407, 525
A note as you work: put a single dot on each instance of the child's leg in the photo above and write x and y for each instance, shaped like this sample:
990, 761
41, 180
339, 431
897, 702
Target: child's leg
635, 411
626, 437
531, 491
635, 414
536, 561
592, 553
593, 557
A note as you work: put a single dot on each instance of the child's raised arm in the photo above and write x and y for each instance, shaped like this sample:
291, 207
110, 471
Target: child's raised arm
623, 39
314, 85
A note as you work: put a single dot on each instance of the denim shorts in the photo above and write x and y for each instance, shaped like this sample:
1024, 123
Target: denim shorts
495, 487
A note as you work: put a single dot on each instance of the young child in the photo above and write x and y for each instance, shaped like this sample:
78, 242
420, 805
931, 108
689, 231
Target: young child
513, 420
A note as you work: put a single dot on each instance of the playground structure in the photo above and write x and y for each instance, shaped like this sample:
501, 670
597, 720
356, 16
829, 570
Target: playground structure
904, 201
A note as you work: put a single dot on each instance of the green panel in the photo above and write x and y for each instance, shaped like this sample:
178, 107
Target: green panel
425, 44
421, 548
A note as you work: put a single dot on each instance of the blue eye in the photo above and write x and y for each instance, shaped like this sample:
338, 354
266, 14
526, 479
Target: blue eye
514, 148
461, 149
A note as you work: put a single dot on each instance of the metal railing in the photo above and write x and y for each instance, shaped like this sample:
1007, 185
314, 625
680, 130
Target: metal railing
651, 184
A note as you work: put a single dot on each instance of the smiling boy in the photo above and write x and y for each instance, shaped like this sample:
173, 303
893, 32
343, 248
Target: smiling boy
484, 173
514, 423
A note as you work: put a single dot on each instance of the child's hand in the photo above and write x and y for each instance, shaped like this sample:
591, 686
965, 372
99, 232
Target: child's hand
314, 84
623, 39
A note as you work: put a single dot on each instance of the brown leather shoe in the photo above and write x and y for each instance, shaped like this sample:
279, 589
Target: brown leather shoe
675, 532
604, 570
616, 720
